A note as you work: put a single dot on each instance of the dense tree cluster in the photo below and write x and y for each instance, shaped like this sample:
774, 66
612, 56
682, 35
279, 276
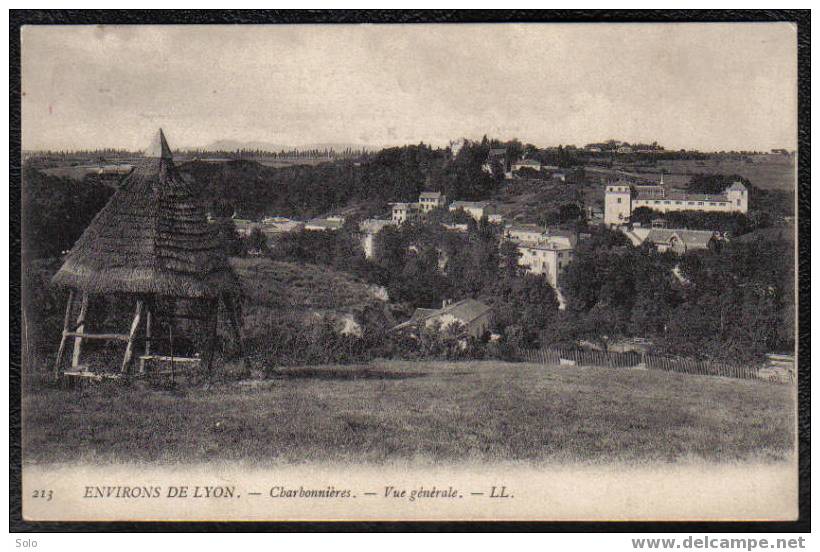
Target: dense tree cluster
301, 191
421, 265
57, 211
735, 224
732, 305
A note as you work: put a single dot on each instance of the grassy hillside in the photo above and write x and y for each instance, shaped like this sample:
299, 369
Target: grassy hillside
302, 287
419, 412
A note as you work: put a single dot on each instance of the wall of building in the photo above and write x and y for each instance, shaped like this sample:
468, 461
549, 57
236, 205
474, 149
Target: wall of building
549, 262
666, 205
617, 204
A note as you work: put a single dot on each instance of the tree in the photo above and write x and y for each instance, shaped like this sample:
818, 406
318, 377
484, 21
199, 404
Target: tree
526, 301
256, 241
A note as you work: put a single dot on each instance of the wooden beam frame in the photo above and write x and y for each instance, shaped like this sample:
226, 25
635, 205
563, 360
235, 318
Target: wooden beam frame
232, 306
131, 335
78, 339
66, 321
145, 312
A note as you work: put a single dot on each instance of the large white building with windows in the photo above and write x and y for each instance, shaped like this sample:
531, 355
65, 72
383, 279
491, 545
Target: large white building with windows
429, 201
549, 257
622, 198
476, 209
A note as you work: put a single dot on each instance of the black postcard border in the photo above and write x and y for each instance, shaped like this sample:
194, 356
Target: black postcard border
800, 18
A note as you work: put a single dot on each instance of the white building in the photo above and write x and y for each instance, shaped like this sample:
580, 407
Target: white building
369, 229
676, 240
549, 257
472, 316
525, 233
620, 199
403, 212
273, 225
476, 209
319, 224
533, 164
431, 200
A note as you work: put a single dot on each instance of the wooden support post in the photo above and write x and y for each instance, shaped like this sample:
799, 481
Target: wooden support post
78, 341
173, 308
148, 308
66, 322
232, 306
129, 349
210, 337
148, 330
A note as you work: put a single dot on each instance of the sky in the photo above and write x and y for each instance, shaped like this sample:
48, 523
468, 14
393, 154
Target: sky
704, 86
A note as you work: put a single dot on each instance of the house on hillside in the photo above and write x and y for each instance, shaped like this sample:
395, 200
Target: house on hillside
473, 316
319, 224
549, 256
455, 227
525, 233
369, 229
403, 212
476, 209
272, 225
431, 200
533, 164
621, 198
681, 241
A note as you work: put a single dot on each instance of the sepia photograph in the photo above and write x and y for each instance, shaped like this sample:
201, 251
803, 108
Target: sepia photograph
409, 272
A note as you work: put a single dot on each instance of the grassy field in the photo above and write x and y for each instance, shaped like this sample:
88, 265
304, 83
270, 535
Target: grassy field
418, 412
770, 172
301, 286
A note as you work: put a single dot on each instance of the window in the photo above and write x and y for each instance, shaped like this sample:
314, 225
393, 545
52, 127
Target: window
738, 203
619, 200
677, 203
700, 203
656, 202
691, 203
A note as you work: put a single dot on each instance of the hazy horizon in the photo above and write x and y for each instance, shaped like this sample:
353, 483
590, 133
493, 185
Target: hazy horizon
710, 87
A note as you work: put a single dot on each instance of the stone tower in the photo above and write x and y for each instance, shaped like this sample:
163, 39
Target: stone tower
617, 204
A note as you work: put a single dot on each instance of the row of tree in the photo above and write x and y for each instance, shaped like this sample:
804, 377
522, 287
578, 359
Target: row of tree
733, 305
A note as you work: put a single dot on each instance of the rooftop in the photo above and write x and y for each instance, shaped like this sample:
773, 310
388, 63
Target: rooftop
465, 311
327, 224
469, 204
691, 238
152, 237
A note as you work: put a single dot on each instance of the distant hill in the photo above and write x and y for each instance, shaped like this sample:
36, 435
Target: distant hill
233, 145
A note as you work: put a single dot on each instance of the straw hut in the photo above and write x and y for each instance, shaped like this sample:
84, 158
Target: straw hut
151, 241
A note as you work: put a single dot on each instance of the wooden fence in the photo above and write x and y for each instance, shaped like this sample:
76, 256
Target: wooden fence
581, 357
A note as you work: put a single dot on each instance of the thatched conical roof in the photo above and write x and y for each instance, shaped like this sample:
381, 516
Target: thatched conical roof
152, 237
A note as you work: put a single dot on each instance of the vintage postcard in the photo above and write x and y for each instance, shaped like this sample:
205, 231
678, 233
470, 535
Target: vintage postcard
409, 272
